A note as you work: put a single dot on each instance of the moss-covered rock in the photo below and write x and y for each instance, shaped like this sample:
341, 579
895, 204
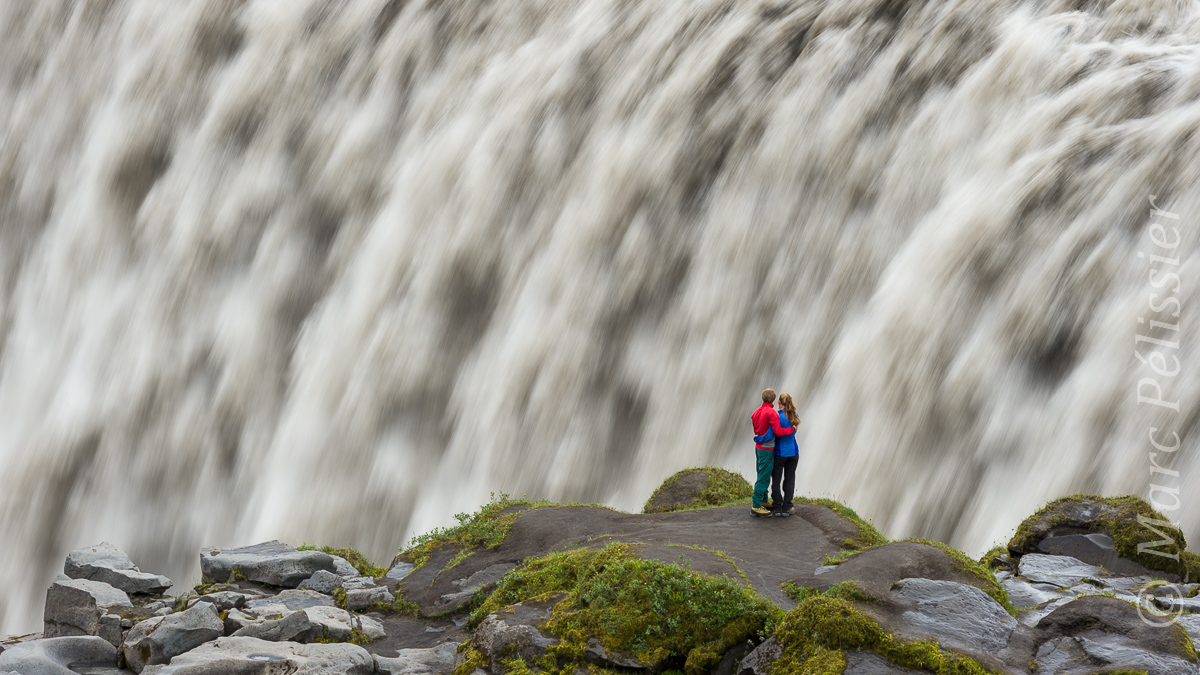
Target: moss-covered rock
817, 634
633, 609
1128, 520
696, 488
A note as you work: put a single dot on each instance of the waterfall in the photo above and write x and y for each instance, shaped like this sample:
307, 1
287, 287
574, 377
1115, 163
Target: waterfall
335, 270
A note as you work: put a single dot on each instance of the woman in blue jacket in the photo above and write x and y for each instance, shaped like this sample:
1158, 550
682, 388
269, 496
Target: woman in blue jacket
787, 454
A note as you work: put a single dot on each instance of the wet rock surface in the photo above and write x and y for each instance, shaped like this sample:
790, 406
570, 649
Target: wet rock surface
52, 656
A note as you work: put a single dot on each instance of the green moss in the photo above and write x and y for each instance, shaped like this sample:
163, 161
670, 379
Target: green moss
484, 529
238, 574
815, 635
352, 556
652, 610
357, 637
867, 535
966, 565
992, 557
846, 590
722, 487
1118, 516
1191, 563
397, 606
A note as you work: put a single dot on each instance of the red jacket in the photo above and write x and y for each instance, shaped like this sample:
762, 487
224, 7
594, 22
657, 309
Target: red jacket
765, 418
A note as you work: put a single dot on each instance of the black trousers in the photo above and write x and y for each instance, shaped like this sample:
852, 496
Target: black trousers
784, 476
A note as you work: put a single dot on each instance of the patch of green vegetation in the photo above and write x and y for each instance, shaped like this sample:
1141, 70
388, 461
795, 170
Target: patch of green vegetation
339, 598
652, 610
397, 606
484, 529
867, 535
846, 590
352, 556
991, 558
357, 637
180, 604
1117, 516
968, 566
1191, 562
721, 488
816, 634
238, 574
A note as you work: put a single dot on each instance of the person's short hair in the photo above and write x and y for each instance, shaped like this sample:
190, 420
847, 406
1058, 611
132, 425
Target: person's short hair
768, 395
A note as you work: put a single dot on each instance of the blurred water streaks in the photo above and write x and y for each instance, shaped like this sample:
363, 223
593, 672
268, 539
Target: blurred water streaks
334, 271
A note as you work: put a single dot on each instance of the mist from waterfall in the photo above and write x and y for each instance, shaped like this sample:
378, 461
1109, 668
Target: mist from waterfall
334, 270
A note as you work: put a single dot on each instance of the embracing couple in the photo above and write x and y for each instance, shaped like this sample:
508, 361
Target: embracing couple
775, 445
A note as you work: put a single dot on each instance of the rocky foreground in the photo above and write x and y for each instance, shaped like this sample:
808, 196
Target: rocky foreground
694, 585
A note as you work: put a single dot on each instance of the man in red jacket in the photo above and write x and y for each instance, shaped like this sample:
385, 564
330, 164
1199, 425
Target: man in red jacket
765, 418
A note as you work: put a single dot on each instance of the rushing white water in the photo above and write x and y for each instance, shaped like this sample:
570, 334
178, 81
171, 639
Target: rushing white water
335, 270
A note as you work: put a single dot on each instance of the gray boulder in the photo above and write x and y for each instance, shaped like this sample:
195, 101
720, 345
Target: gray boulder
759, 661
959, 615
1178, 605
437, 660
1025, 594
81, 607
291, 627
51, 656
251, 656
343, 568
287, 602
236, 620
1058, 570
109, 564
222, 600
361, 598
272, 562
158, 640
338, 624
322, 582
513, 632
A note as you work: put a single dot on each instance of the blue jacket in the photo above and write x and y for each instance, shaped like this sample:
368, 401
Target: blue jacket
785, 446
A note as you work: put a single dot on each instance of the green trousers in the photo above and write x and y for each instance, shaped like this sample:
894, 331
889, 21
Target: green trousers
766, 464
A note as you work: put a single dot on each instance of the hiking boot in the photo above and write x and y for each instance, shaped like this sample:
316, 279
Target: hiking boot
784, 514
760, 511
768, 504
791, 510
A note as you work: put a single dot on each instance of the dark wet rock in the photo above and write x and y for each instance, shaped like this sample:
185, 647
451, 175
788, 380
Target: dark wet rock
322, 582
109, 564
361, 598
695, 488
1177, 605
78, 607
514, 632
1110, 632
291, 627
251, 656
958, 615
468, 586
1061, 571
437, 660
1093, 549
732, 660
759, 661
876, 570
1116, 517
156, 641
51, 656
859, 662
799, 544
272, 562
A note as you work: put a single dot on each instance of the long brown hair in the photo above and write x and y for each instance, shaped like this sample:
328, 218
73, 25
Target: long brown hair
789, 407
